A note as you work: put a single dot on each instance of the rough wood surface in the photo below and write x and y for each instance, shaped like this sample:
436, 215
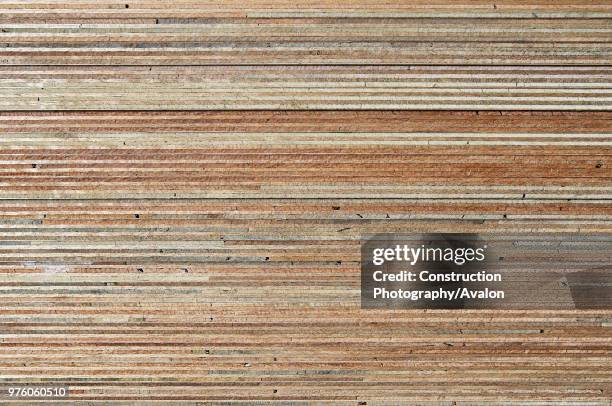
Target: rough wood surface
184, 186
306, 87
43, 32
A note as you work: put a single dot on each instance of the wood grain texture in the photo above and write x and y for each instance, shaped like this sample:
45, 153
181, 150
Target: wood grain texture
323, 32
307, 155
184, 186
306, 87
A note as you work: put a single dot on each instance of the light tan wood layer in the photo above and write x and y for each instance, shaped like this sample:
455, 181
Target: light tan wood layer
301, 8
299, 88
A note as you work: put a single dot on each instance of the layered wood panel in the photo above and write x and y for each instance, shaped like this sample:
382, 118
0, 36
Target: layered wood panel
184, 186
122, 284
322, 32
306, 88
426, 155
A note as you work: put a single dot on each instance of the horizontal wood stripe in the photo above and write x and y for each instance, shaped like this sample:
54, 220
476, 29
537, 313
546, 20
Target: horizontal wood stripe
226, 159
300, 88
564, 8
466, 122
304, 33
